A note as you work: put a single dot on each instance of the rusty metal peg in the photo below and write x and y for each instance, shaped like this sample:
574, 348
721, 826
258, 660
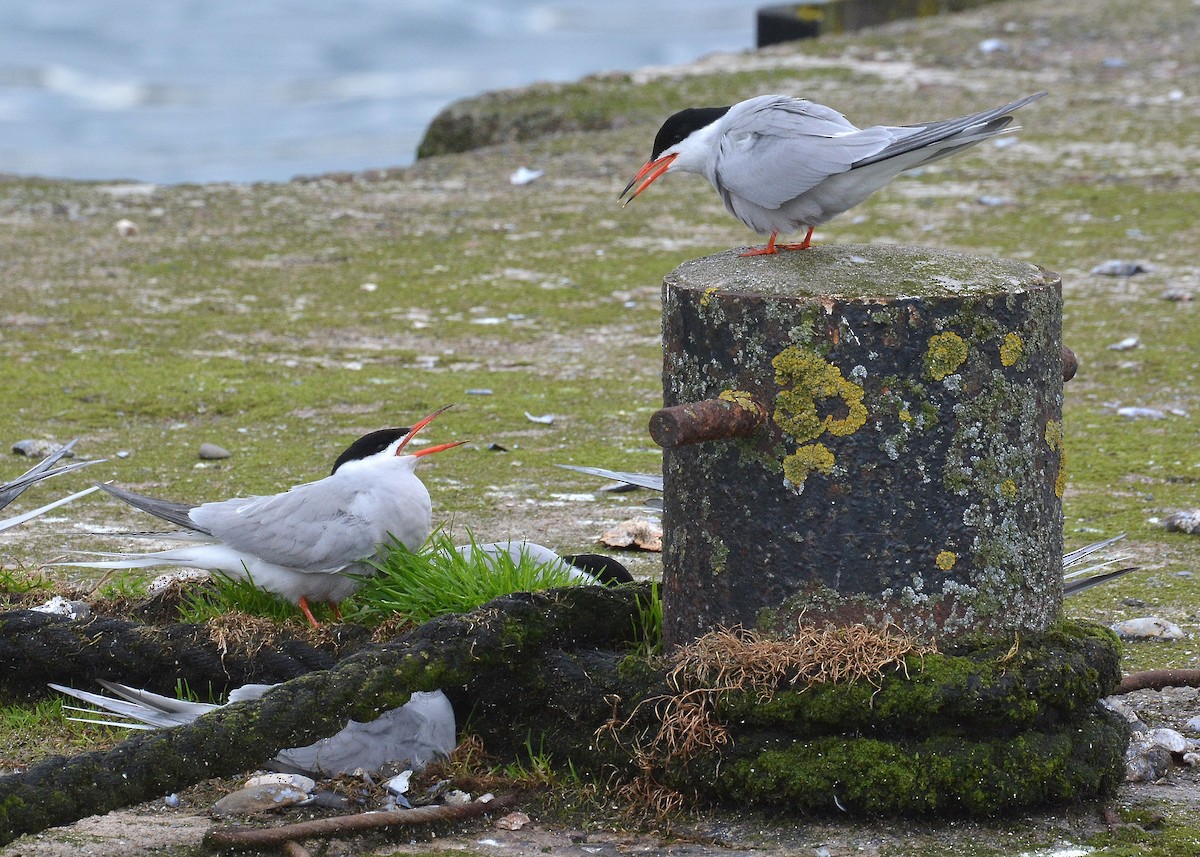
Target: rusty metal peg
710, 419
1070, 364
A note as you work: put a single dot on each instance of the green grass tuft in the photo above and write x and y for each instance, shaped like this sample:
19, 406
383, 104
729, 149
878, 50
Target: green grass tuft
438, 580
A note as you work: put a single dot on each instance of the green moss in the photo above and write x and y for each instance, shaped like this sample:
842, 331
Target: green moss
947, 775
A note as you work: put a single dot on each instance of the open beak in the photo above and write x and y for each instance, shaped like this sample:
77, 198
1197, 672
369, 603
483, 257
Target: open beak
652, 170
420, 424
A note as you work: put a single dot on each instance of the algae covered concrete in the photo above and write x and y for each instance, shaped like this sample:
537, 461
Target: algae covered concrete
243, 315
907, 474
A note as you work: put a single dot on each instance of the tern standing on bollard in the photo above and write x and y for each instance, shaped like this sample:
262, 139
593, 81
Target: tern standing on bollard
784, 164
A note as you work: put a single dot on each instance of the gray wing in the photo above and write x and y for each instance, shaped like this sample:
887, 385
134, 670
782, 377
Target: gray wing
416, 733
773, 148
10, 491
311, 527
177, 513
642, 480
990, 121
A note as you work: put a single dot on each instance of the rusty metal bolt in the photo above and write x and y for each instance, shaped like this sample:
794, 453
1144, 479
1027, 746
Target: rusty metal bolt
711, 419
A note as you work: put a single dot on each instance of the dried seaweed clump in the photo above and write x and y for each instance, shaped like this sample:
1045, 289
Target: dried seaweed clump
743, 661
747, 663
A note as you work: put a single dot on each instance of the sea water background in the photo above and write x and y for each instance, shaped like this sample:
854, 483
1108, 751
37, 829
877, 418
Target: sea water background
174, 91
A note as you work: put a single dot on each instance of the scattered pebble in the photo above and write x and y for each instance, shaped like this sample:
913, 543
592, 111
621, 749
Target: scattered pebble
524, 176
256, 800
212, 452
635, 533
369, 287
1141, 413
1186, 521
1120, 268
1193, 724
37, 448
1127, 344
1146, 761
1178, 295
479, 391
172, 800
456, 796
994, 46
994, 201
127, 228
1148, 628
1169, 740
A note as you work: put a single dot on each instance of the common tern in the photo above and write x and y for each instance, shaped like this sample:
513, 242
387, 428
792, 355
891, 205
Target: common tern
1074, 582
415, 734
313, 541
784, 164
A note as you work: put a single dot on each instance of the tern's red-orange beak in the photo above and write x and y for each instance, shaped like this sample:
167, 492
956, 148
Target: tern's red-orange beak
653, 169
420, 424
430, 450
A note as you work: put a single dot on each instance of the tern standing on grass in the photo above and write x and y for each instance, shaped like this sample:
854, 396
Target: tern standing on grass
785, 164
307, 543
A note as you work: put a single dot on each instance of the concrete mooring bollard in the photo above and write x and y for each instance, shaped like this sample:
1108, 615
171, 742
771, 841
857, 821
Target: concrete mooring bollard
905, 457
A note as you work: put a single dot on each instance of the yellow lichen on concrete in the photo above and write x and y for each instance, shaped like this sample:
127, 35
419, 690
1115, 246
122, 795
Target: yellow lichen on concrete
1008, 489
945, 560
947, 351
810, 378
1054, 439
741, 398
708, 294
1011, 349
806, 459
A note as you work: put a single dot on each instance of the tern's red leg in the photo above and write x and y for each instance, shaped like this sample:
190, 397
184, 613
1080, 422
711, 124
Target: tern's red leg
303, 603
337, 611
769, 250
803, 245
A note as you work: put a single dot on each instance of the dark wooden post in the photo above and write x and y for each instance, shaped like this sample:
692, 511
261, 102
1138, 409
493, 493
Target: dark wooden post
907, 467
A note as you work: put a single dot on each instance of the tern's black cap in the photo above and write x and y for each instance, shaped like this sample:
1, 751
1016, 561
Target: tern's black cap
680, 126
369, 444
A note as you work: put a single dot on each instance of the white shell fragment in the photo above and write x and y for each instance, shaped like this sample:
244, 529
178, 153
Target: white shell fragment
126, 228
524, 175
60, 606
544, 419
1169, 740
1148, 628
513, 821
1141, 413
296, 781
1127, 344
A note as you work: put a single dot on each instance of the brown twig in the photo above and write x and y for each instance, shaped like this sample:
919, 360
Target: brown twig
235, 837
1158, 679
